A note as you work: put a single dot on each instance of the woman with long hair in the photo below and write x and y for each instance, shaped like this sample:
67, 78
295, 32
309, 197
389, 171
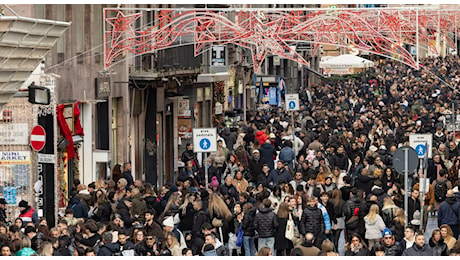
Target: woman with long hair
102, 211
397, 225
287, 191
337, 177
275, 197
220, 215
437, 244
283, 246
356, 246
454, 171
301, 205
186, 213
240, 183
339, 205
138, 236
172, 206
448, 236
374, 225
388, 178
388, 211
324, 171
327, 248
116, 173
46, 249
173, 245
232, 165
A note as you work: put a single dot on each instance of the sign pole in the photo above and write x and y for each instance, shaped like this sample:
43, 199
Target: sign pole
422, 193
206, 170
406, 199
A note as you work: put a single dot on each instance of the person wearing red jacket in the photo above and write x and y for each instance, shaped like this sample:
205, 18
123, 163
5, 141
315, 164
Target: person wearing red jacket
27, 213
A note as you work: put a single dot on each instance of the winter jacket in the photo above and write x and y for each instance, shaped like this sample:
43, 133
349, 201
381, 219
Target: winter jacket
417, 251
449, 212
439, 248
267, 151
266, 222
326, 217
287, 155
390, 250
201, 217
104, 213
374, 228
388, 214
261, 136
364, 183
229, 137
229, 190
255, 168
78, 208
339, 160
307, 248
85, 198
129, 178
26, 251
277, 175
247, 224
380, 194
125, 214
312, 221
139, 205
186, 218
108, 249
29, 215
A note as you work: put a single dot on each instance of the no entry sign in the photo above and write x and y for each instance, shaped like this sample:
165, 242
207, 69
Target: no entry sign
37, 138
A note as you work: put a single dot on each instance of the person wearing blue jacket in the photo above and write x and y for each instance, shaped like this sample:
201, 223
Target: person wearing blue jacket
449, 212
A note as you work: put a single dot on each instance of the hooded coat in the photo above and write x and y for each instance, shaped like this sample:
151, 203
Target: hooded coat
267, 151
374, 227
78, 208
439, 248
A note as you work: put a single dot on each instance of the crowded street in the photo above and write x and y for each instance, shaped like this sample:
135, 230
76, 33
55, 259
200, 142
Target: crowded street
321, 171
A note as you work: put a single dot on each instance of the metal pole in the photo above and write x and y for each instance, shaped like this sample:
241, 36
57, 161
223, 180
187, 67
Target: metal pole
453, 120
422, 194
206, 170
406, 173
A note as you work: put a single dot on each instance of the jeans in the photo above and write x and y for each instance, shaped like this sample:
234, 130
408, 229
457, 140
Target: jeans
267, 242
249, 246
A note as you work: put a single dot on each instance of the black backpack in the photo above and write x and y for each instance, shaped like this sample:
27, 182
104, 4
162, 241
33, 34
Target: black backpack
440, 191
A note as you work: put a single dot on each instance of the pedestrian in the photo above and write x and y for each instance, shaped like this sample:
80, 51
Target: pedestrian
356, 246
374, 226
437, 244
266, 224
449, 212
419, 248
312, 221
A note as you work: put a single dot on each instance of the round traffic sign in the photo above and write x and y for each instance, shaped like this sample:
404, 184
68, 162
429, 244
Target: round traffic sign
420, 150
291, 104
205, 143
37, 138
399, 160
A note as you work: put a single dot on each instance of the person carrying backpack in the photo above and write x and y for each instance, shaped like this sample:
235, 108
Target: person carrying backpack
441, 186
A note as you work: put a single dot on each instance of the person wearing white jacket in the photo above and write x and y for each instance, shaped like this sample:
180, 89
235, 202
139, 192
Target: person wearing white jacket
374, 225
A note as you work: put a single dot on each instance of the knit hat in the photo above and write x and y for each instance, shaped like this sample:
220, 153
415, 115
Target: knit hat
168, 222
23, 204
387, 232
214, 182
416, 220
123, 181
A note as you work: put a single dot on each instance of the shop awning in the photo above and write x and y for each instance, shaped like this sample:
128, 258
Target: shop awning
24, 43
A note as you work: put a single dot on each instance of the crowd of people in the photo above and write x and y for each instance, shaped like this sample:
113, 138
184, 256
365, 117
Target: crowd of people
277, 188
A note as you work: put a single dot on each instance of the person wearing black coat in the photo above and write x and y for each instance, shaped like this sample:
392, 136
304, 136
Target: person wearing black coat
364, 182
266, 224
249, 229
103, 213
356, 246
255, 166
437, 244
108, 248
78, 208
123, 209
283, 246
268, 152
312, 221
419, 248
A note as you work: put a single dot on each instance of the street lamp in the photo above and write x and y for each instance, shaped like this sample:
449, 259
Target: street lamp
39, 95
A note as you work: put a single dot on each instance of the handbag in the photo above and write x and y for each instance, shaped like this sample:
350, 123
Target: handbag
216, 222
290, 233
239, 237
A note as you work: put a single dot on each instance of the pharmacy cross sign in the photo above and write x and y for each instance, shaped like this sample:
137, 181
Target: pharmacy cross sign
37, 138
